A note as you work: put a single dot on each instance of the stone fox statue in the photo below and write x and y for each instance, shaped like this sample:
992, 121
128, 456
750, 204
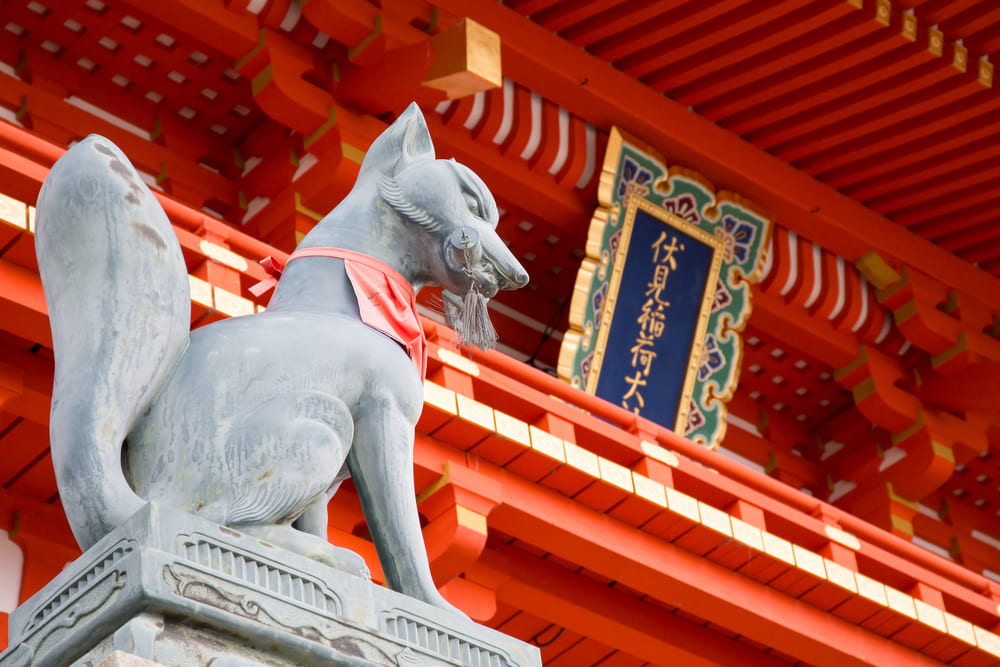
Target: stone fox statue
253, 422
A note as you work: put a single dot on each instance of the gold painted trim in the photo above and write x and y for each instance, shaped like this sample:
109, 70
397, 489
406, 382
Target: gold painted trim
471, 519
839, 575
757, 270
897, 438
696, 511
437, 484
909, 28
962, 345
659, 453
959, 57
883, 12
231, 304
935, 41
748, 534
985, 72
454, 360
13, 212
567, 355
878, 272
545, 443
330, 121
606, 183
901, 524
261, 41
583, 460
615, 474
581, 293
350, 152
305, 210
960, 628
650, 490
633, 204
512, 428
842, 537
222, 255
440, 397
681, 503
896, 498
201, 291
476, 413
376, 31
262, 80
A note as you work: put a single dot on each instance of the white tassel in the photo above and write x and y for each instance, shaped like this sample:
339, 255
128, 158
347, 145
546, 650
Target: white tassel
476, 327
470, 317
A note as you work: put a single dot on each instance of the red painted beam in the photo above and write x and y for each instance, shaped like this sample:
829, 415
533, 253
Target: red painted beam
944, 184
567, 16
747, 483
782, 43
22, 304
827, 76
610, 616
559, 525
924, 171
893, 126
975, 387
964, 137
610, 37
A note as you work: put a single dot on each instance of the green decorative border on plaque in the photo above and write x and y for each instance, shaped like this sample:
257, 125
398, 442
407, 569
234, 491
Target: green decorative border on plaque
632, 169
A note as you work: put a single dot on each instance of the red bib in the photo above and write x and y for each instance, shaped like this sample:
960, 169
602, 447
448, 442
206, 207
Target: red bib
385, 298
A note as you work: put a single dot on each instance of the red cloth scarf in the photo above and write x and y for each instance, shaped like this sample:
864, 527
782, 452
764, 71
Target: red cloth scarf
386, 299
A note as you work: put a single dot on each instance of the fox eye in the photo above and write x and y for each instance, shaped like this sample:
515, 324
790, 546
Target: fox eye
473, 203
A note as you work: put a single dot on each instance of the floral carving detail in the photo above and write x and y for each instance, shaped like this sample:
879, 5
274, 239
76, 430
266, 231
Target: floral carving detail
635, 180
585, 366
598, 302
684, 207
613, 242
737, 236
711, 359
722, 297
695, 419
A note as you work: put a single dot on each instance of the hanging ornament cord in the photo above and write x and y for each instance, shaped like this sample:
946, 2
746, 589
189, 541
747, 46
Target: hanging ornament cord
472, 324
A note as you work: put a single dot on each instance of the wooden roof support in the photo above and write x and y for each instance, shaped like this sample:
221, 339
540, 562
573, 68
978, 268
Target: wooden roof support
976, 387
608, 615
682, 578
594, 90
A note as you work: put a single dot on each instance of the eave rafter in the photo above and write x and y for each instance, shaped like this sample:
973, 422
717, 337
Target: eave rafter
586, 86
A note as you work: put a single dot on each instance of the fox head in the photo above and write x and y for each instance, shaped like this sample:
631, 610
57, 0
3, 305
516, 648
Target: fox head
448, 201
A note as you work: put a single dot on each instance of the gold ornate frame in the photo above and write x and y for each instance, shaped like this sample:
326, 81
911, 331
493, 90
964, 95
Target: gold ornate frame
633, 204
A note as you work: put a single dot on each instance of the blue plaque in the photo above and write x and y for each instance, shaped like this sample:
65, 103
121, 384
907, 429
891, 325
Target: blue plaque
653, 323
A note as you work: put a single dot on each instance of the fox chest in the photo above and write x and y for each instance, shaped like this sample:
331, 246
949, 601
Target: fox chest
234, 366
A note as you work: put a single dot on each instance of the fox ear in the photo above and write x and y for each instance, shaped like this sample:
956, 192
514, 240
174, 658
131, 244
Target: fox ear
404, 142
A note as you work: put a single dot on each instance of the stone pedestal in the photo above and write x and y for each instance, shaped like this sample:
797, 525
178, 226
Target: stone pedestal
168, 588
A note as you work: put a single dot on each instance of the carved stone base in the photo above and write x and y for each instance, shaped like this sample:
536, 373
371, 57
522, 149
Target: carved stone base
168, 588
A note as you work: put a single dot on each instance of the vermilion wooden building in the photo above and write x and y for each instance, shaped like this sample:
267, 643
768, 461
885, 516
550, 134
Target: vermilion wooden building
850, 514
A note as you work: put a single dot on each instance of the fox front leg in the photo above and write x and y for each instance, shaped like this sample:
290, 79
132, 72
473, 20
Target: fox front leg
381, 464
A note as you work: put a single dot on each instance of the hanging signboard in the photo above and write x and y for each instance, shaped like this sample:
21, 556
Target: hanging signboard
663, 293
652, 331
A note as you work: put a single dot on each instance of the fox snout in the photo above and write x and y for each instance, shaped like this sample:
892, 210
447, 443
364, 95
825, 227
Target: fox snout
488, 258
511, 277
509, 272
